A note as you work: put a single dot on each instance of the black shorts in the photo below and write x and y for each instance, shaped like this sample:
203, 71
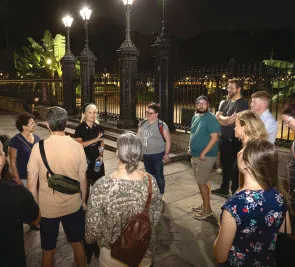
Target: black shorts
73, 224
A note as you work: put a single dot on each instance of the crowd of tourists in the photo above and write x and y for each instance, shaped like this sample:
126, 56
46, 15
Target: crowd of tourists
62, 180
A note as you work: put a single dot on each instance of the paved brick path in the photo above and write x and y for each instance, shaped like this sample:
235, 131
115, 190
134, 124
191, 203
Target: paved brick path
181, 240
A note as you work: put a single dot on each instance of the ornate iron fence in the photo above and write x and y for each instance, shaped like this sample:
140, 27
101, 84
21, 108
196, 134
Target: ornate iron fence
107, 96
33, 91
187, 86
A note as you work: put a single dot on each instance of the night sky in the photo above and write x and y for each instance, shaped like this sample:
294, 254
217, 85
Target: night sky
186, 19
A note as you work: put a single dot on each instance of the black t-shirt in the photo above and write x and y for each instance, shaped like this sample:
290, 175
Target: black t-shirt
92, 152
228, 108
17, 205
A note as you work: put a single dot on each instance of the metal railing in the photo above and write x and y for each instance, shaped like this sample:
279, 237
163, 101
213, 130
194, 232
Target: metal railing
187, 86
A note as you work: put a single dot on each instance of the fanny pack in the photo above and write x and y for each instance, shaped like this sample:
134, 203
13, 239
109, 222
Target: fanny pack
59, 182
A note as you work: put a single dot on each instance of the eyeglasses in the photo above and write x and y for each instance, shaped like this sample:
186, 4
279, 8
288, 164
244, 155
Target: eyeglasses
287, 121
149, 113
201, 104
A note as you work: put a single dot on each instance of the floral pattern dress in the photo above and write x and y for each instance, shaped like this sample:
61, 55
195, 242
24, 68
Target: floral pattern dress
258, 215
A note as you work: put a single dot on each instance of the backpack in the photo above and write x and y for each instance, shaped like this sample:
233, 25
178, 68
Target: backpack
134, 240
160, 126
59, 182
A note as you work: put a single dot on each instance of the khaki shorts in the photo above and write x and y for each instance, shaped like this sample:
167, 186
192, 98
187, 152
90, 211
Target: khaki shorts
202, 168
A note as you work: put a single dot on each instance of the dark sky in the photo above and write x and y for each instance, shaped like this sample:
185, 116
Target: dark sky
188, 17
185, 17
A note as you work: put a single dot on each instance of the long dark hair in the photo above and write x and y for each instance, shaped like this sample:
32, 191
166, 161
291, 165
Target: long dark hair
263, 162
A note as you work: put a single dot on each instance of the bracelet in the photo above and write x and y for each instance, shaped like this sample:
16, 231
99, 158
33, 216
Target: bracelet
166, 153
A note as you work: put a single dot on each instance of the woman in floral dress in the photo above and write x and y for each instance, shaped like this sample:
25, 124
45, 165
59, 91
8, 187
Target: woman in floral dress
251, 219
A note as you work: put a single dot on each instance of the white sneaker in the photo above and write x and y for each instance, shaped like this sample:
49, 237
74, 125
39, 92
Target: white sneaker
219, 171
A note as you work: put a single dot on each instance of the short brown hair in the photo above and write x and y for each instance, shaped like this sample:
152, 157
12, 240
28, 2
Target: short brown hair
154, 106
23, 120
262, 95
237, 82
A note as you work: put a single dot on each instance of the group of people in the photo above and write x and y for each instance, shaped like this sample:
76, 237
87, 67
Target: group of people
94, 216
110, 203
252, 217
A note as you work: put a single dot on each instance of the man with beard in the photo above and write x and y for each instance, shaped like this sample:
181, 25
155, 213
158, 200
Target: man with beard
229, 145
203, 149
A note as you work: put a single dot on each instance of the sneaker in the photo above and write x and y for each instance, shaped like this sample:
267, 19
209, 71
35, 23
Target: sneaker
202, 215
219, 170
197, 208
163, 197
221, 192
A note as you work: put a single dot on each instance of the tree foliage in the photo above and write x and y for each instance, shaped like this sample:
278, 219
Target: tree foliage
41, 59
285, 86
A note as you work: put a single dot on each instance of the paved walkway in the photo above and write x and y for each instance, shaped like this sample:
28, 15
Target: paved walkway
181, 240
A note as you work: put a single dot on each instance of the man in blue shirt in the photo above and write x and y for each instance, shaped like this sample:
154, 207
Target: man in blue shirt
203, 149
259, 105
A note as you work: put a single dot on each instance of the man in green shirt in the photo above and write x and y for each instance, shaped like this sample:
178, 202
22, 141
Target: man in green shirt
203, 149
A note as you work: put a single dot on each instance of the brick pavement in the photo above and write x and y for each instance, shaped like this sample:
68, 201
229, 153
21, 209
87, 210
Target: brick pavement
181, 240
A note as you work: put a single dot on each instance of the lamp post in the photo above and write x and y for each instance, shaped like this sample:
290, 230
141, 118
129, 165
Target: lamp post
164, 85
87, 59
68, 71
128, 54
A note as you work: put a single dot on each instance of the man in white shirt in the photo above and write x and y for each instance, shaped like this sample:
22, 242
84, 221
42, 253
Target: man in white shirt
259, 105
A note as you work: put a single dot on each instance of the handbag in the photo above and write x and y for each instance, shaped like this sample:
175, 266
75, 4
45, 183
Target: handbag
285, 247
59, 182
134, 240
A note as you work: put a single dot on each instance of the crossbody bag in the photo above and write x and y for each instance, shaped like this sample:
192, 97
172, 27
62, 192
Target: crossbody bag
59, 182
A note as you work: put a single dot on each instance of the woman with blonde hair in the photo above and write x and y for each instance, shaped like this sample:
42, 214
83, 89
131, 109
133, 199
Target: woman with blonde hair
90, 135
249, 127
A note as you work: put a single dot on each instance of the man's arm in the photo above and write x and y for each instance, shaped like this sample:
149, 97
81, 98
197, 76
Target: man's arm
29, 209
83, 185
213, 139
167, 145
32, 184
226, 121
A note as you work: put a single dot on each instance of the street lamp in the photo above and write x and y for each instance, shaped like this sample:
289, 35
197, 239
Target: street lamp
85, 14
163, 37
128, 42
68, 23
87, 61
68, 71
128, 54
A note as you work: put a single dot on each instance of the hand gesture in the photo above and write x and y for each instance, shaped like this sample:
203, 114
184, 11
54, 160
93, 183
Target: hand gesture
99, 137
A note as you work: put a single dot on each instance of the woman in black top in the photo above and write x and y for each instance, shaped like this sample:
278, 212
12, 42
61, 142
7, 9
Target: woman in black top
90, 135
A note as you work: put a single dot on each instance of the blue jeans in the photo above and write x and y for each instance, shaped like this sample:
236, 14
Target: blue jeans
153, 164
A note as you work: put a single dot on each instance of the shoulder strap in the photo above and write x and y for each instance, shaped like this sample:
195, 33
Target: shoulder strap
43, 156
24, 142
148, 201
293, 149
142, 123
160, 126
